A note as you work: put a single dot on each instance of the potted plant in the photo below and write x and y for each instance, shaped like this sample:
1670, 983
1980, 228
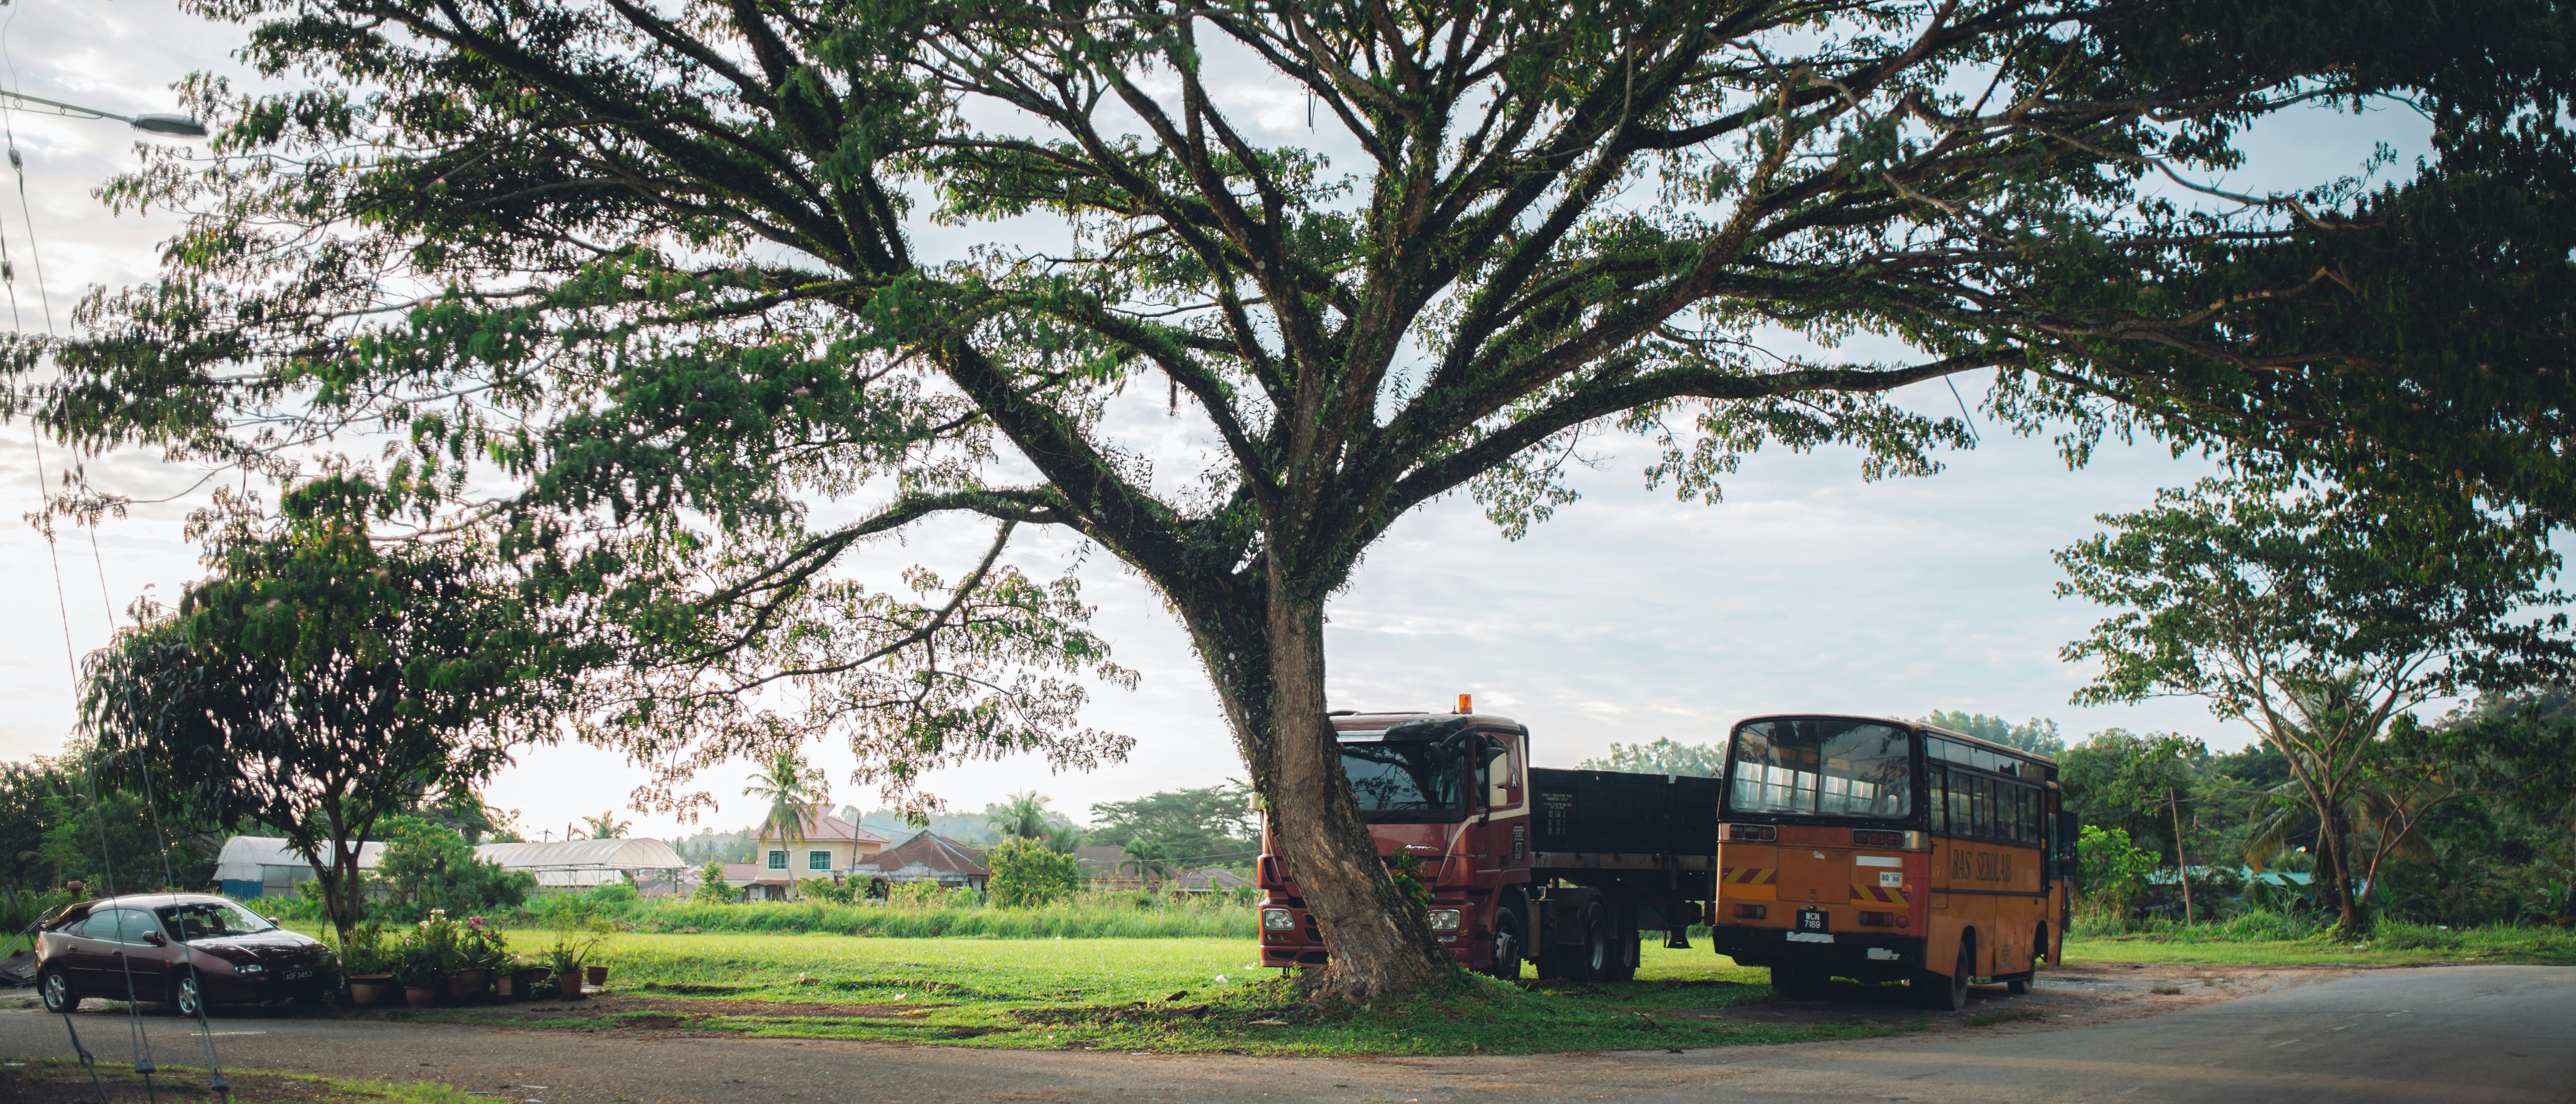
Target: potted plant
367, 962
480, 950
566, 956
421, 976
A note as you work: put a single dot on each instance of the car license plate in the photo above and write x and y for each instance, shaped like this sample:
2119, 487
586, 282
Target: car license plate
298, 975
1811, 920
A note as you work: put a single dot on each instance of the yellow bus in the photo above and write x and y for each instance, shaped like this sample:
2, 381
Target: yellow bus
1884, 850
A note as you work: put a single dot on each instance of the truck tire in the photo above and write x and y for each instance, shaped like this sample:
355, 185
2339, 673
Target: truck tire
1597, 957
1511, 938
1949, 994
1623, 944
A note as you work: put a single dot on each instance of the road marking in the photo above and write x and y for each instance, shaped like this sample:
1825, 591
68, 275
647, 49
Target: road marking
2283, 1043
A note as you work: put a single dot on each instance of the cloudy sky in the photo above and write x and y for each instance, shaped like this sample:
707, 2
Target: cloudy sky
1629, 617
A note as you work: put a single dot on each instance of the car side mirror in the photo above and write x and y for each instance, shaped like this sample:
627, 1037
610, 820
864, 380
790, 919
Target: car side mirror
154, 938
274, 922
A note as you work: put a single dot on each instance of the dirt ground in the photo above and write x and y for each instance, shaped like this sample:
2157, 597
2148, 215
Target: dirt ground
2068, 996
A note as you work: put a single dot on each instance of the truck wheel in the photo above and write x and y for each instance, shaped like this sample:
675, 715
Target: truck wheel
1949, 994
1599, 953
1623, 945
1511, 941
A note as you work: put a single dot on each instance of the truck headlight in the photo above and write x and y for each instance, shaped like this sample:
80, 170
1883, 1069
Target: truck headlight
1444, 920
1277, 919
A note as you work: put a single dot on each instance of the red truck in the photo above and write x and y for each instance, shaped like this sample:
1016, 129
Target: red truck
1562, 868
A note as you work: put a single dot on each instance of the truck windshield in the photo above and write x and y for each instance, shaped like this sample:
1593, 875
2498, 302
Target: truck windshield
1405, 781
1821, 766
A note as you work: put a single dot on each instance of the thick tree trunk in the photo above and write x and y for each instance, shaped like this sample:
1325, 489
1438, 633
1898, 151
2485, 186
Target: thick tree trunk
1380, 943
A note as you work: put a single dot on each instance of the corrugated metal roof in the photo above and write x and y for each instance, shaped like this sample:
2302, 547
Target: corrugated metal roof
608, 854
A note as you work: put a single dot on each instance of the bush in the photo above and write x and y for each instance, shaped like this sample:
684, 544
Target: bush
2115, 871
712, 889
1026, 873
825, 889
429, 867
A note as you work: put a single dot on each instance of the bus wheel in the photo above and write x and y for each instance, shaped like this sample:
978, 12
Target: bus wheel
1949, 994
1798, 982
1511, 940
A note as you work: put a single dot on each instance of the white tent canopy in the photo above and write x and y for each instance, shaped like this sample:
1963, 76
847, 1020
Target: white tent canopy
244, 858
580, 864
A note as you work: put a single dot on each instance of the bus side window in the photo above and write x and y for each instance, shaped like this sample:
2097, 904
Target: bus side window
1936, 784
1982, 804
1962, 823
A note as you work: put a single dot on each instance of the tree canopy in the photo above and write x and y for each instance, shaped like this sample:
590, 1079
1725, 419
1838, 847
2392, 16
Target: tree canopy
663, 269
2319, 618
318, 683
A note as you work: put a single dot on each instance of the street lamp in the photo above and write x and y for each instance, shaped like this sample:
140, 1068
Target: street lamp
182, 126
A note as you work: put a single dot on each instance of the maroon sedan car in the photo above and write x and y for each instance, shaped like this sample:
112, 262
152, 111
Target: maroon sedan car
185, 949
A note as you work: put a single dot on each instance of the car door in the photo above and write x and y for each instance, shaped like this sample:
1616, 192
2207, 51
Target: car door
136, 959
85, 957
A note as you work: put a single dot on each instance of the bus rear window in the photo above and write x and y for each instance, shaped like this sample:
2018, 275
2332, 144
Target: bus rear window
1820, 766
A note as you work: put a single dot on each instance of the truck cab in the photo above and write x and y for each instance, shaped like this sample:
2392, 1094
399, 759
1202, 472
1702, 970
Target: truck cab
1523, 865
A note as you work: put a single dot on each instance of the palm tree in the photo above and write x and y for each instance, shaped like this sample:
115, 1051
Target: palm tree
1024, 816
796, 795
607, 826
1152, 861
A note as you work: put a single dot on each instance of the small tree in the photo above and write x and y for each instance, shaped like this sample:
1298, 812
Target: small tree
2315, 618
318, 683
2115, 870
1026, 874
428, 866
712, 889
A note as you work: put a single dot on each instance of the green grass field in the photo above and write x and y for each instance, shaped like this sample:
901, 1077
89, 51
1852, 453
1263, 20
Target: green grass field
1206, 994
1142, 994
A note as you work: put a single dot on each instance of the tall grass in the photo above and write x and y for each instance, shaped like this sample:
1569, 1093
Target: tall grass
2317, 929
1086, 916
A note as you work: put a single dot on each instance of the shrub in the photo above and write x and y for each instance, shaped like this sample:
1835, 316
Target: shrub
1027, 873
825, 889
429, 867
712, 889
2115, 871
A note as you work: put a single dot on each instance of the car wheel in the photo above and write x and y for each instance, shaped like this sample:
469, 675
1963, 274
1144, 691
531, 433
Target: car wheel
1510, 943
186, 998
57, 991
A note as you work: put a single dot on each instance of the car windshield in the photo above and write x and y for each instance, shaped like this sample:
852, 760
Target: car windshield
210, 920
1405, 781
1821, 766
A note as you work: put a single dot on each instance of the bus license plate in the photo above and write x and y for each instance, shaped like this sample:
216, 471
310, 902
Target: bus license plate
1811, 920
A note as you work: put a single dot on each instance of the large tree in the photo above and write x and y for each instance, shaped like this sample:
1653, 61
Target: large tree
662, 265
320, 684
2317, 618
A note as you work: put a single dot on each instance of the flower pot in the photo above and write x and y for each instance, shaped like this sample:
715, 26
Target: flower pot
529, 978
570, 984
505, 986
598, 974
419, 996
376, 991
468, 983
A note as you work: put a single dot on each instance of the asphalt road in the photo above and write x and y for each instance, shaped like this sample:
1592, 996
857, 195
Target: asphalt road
2473, 1033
